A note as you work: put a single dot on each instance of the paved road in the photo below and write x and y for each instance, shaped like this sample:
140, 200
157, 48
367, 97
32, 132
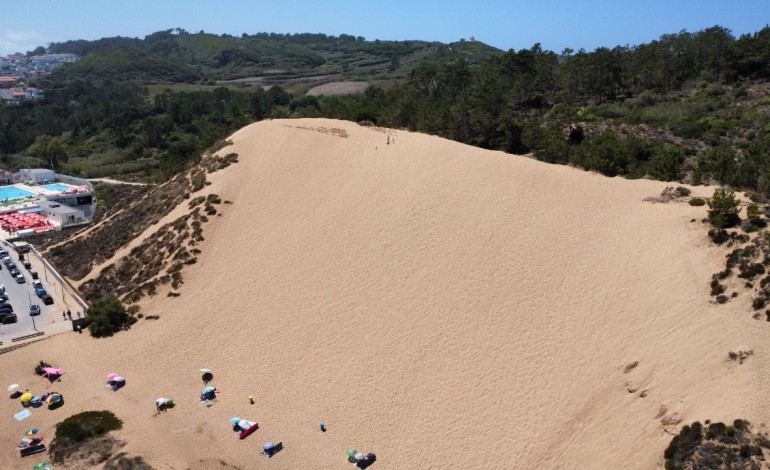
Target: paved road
20, 296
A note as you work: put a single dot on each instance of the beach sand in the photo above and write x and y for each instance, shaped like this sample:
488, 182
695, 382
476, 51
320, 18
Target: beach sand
440, 305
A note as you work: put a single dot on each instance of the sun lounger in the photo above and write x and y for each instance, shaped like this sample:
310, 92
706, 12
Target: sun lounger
247, 432
269, 453
31, 450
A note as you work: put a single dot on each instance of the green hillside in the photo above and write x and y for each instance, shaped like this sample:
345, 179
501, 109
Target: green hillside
174, 56
128, 63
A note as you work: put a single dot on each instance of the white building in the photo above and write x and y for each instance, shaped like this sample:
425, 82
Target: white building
38, 175
62, 215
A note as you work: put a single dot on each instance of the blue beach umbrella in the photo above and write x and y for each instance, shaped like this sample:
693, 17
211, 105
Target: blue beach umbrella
31, 432
235, 421
209, 389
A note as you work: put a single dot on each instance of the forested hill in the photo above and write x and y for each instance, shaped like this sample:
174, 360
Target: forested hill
691, 107
184, 57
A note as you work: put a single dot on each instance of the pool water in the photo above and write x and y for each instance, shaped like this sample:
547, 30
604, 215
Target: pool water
11, 192
60, 187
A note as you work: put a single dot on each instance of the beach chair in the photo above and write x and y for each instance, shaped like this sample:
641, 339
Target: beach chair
31, 450
269, 453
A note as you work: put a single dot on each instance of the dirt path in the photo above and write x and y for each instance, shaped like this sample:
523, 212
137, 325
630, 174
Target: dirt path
112, 181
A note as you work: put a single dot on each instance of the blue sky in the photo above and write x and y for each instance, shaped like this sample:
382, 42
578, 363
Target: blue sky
516, 24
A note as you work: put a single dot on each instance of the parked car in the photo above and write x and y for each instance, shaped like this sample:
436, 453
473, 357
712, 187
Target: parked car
40, 292
6, 306
34, 310
7, 260
19, 279
14, 272
3, 298
36, 283
47, 299
6, 318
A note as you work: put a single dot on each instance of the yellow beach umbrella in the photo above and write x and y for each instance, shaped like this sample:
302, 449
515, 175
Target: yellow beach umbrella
26, 397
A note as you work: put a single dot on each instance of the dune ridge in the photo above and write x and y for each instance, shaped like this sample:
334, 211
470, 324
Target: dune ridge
441, 305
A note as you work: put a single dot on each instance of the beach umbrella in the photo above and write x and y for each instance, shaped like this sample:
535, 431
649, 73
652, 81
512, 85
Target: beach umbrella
53, 398
351, 452
111, 375
31, 432
25, 398
13, 388
36, 399
24, 442
360, 456
118, 379
42, 466
209, 389
268, 446
235, 421
205, 371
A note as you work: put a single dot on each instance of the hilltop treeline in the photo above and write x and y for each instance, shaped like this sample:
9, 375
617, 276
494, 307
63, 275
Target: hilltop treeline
688, 106
114, 127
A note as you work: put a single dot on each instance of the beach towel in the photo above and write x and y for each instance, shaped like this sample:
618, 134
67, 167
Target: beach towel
22, 415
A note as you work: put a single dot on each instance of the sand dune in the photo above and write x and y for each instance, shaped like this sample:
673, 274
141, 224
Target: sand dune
440, 305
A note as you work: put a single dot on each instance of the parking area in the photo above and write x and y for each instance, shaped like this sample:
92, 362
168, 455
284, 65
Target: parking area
21, 296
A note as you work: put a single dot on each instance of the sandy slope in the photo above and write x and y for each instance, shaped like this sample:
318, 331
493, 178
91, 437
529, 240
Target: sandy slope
441, 305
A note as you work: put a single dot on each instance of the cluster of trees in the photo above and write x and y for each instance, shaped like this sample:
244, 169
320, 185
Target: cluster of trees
517, 101
86, 128
524, 101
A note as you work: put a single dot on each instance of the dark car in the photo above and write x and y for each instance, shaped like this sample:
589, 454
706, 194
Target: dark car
47, 299
6, 318
19, 279
14, 272
40, 292
6, 306
3, 298
34, 310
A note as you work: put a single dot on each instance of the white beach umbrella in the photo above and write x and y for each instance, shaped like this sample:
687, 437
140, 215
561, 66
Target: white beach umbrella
360, 456
13, 388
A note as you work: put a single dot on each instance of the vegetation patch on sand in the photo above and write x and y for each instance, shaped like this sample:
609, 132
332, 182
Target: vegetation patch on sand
717, 446
107, 316
78, 433
158, 260
76, 258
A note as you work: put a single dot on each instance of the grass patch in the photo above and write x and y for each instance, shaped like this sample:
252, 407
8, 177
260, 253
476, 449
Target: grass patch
75, 431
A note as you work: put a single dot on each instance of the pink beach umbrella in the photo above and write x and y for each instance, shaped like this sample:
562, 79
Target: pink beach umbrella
111, 375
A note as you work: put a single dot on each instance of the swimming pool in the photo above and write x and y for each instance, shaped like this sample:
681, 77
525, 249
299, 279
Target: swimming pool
11, 192
60, 187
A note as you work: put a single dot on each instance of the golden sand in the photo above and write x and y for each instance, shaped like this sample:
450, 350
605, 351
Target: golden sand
440, 305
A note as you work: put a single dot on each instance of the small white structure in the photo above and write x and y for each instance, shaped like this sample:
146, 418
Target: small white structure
62, 215
38, 175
